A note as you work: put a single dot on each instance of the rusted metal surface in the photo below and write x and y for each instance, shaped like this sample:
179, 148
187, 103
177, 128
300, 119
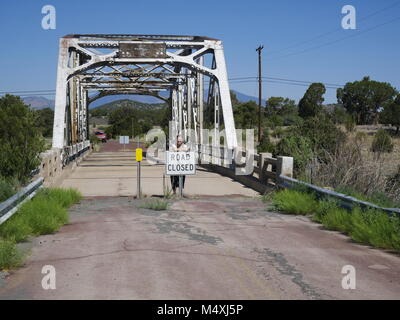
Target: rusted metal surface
142, 50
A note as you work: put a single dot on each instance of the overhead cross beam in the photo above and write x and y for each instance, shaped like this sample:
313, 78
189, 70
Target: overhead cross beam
94, 66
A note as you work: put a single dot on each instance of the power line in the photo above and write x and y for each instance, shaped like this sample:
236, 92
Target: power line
287, 80
334, 30
51, 92
286, 83
338, 40
27, 91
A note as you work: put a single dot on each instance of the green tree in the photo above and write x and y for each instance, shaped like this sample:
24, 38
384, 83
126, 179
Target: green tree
281, 111
124, 121
21, 140
246, 115
311, 103
323, 134
45, 119
364, 99
391, 114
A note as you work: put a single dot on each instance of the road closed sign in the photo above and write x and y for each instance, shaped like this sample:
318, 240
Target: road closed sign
180, 163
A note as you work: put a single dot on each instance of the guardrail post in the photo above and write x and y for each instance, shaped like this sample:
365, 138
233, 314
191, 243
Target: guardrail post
264, 166
284, 167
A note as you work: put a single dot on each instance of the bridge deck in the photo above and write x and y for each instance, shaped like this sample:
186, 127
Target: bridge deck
113, 173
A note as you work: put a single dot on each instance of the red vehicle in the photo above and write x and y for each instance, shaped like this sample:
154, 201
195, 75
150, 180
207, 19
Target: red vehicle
101, 136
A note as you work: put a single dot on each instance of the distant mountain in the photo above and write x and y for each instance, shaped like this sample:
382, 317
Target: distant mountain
134, 97
39, 102
245, 98
106, 108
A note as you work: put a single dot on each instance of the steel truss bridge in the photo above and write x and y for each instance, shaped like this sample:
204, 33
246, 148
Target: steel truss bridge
171, 68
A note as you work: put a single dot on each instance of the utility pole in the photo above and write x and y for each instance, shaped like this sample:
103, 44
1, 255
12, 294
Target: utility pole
259, 49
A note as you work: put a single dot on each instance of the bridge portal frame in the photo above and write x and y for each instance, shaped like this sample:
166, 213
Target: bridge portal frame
144, 65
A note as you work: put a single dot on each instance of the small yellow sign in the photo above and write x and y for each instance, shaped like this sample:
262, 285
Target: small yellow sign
139, 154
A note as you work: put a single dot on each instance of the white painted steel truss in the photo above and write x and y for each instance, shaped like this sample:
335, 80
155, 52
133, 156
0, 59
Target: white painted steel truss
171, 68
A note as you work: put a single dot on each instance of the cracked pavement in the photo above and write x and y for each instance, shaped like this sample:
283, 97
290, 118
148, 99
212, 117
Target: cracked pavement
205, 248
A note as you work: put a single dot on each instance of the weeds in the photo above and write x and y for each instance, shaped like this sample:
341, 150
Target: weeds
44, 214
376, 228
64, 197
295, 202
370, 226
10, 256
157, 205
168, 193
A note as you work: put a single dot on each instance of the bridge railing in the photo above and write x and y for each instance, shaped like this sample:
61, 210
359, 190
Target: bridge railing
11, 205
344, 200
279, 172
54, 162
259, 171
53, 166
260, 165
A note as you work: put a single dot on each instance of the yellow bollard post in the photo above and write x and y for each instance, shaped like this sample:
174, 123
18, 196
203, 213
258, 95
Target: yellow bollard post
139, 158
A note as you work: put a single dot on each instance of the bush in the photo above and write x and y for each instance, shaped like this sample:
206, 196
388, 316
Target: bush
10, 256
265, 144
295, 202
298, 147
323, 134
7, 189
382, 142
21, 140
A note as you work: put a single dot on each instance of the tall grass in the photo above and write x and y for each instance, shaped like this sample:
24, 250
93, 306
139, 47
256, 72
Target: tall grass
157, 205
44, 214
295, 202
370, 226
376, 228
64, 197
10, 256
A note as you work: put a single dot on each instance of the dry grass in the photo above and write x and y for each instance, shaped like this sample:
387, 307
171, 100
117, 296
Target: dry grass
355, 166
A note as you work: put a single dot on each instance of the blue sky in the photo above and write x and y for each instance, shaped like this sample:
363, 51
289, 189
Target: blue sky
28, 55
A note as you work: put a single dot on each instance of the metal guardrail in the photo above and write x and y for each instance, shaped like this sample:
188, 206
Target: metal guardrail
11, 205
346, 201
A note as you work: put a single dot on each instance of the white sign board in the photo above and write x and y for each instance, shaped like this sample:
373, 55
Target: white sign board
180, 163
123, 139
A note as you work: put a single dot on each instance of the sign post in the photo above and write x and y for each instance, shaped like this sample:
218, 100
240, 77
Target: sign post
180, 164
139, 158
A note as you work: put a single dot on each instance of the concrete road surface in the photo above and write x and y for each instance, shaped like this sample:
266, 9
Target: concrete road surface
206, 248
113, 173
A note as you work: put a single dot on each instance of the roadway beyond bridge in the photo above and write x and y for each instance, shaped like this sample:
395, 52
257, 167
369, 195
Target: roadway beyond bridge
224, 244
